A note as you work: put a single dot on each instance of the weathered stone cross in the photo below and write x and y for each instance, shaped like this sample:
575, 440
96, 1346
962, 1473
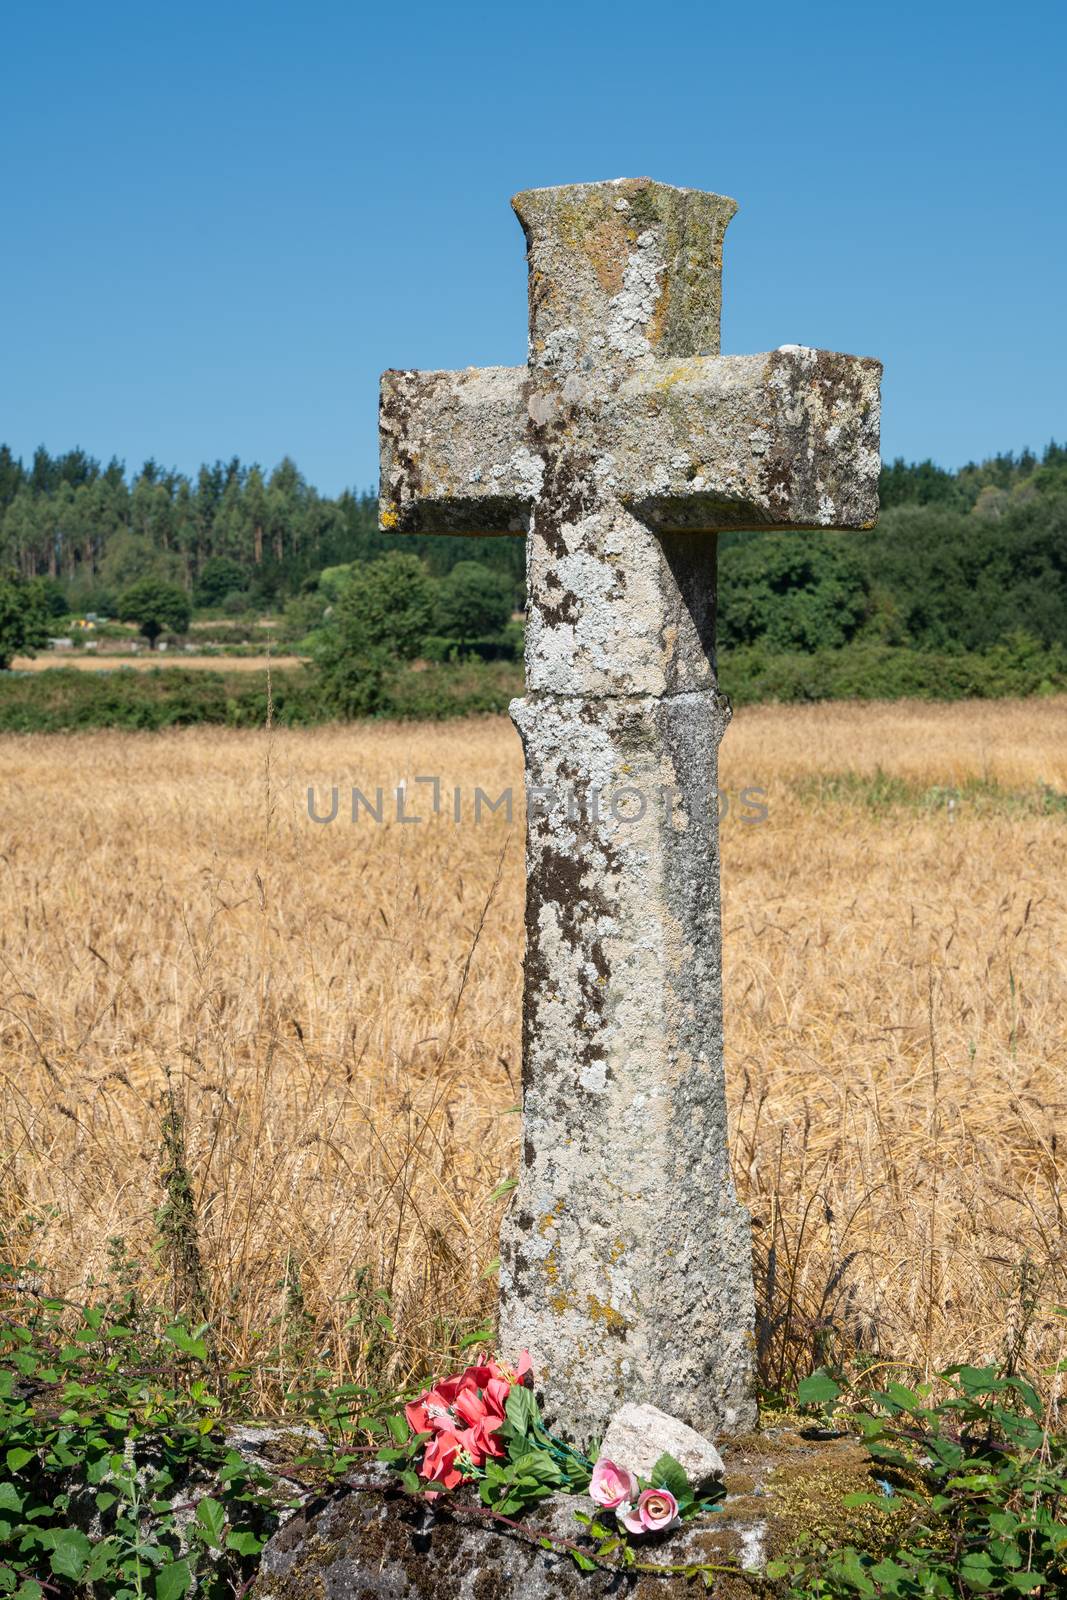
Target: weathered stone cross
624, 443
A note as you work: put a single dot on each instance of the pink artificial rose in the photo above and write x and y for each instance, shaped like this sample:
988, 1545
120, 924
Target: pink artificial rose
656, 1512
630, 1517
611, 1486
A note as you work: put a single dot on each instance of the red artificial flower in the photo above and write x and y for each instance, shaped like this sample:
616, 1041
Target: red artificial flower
463, 1414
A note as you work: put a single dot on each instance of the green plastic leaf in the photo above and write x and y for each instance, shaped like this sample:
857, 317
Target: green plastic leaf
398, 1428
173, 1580
818, 1390
668, 1473
521, 1409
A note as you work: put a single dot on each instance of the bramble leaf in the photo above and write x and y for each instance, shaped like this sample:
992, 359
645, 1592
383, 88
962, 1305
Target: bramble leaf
818, 1390
70, 1552
173, 1580
211, 1518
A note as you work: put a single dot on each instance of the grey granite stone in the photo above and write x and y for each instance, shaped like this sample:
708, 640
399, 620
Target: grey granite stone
620, 449
377, 1544
639, 1434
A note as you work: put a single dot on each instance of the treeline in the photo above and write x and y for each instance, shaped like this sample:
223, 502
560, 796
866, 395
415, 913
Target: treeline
233, 533
959, 561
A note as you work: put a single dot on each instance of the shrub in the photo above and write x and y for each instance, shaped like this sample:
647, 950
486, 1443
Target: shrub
237, 603
869, 671
218, 578
473, 602
386, 604
380, 619
791, 592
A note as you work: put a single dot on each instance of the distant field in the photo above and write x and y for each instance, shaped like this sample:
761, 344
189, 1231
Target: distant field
895, 939
97, 661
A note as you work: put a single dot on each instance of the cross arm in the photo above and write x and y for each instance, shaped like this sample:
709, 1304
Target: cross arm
454, 457
789, 439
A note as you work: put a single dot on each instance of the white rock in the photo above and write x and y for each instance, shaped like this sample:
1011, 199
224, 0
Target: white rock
638, 1435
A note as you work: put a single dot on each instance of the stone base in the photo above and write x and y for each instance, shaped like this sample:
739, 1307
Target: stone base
377, 1544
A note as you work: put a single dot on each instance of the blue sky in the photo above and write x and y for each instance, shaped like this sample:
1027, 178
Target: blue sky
223, 220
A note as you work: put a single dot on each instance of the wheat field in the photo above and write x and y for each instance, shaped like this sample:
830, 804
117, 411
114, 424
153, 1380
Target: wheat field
335, 1012
155, 660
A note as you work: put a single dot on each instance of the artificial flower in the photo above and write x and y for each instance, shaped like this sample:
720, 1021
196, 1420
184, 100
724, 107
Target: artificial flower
611, 1486
463, 1414
655, 1511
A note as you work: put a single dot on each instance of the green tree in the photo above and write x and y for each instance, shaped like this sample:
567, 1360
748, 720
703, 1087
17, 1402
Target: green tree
389, 603
304, 613
791, 591
352, 669
156, 607
334, 580
55, 600
219, 577
11, 476
473, 602
381, 616
131, 556
237, 603
23, 617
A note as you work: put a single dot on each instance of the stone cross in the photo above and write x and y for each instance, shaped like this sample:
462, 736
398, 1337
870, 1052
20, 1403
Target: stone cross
621, 448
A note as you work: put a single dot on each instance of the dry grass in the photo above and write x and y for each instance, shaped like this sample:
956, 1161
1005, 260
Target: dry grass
337, 1010
145, 661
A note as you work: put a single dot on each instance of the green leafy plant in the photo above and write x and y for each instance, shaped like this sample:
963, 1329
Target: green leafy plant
985, 1482
23, 617
115, 1472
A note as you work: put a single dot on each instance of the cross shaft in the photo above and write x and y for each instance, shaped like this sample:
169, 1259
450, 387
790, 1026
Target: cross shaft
621, 449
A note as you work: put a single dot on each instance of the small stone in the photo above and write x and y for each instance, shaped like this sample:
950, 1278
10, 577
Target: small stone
638, 1435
